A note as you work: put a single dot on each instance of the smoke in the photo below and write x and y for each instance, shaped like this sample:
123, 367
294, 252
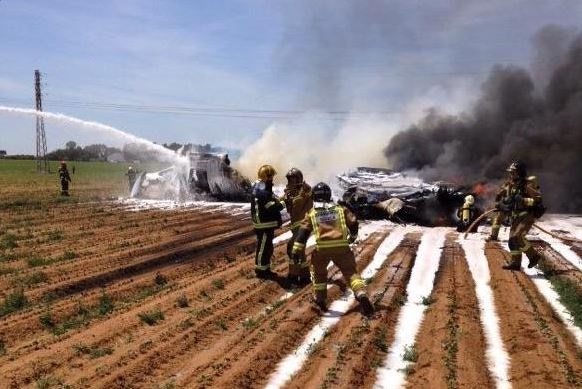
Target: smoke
320, 150
535, 117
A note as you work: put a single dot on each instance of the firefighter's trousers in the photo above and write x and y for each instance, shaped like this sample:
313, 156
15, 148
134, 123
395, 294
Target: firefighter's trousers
64, 187
518, 244
264, 250
300, 267
344, 259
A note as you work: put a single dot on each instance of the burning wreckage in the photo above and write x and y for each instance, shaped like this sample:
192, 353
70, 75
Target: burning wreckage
371, 193
206, 176
374, 193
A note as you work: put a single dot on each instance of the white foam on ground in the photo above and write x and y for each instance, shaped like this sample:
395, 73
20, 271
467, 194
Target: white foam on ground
498, 360
570, 224
562, 248
391, 374
551, 296
293, 362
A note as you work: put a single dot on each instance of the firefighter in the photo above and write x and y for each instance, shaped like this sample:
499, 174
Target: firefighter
65, 178
131, 175
521, 199
466, 213
298, 202
266, 215
335, 227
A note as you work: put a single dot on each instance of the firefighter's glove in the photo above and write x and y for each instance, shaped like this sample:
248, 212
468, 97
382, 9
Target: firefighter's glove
505, 205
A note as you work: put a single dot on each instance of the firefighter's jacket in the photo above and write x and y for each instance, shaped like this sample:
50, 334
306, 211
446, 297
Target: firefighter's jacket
298, 202
333, 226
527, 191
64, 174
265, 206
466, 213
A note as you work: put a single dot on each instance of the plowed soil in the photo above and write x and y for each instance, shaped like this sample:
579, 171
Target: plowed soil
152, 298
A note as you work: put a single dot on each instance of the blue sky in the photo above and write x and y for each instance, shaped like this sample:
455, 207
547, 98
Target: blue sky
241, 59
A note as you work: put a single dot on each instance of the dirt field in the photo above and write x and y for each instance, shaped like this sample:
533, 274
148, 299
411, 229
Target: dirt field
114, 297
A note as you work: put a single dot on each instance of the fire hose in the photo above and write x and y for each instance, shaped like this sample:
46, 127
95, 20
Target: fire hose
535, 225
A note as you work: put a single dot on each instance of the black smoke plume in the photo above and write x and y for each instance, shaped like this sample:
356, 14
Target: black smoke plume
516, 117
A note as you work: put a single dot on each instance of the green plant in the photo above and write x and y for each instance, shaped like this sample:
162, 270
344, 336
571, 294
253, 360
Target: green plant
68, 255
46, 319
249, 322
105, 304
380, 339
410, 353
55, 235
427, 300
8, 241
182, 301
35, 261
151, 317
2, 347
218, 283
160, 279
35, 278
221, 323
15, 301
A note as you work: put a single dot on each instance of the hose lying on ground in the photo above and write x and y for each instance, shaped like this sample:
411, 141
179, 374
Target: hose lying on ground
535, 225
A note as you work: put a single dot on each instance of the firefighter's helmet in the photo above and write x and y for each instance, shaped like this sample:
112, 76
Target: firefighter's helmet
294, 175
322, 192
469, 199
130, 168
63, 164
518, 167
265, 172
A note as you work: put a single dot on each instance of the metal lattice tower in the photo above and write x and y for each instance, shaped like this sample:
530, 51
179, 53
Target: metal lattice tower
41, 159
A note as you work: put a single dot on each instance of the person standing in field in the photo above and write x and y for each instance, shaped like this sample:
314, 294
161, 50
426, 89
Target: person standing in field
131, 176
65, 178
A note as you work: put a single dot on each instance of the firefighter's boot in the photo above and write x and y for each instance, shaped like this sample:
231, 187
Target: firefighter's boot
318, 305
515, 264
365, 303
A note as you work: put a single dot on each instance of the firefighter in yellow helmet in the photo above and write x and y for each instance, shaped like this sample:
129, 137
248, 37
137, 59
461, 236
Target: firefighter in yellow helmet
466, 213
266, 216
521, 199
335, 227
298, 201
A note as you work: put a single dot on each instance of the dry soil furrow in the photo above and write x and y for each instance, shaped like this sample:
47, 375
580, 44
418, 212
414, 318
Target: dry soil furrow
451, 343
269, 340
542, 352
348, 355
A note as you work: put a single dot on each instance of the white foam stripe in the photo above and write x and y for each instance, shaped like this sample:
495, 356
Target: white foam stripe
498, 360
563, 249
293, 362
391, 374
547, 290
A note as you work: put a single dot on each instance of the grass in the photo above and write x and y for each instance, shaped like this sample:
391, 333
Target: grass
55, 235
410, 353
151, 317
35, 278
427, 300
182, 301
569, 291
218, 283
15, 301
450, 345
160, 279
380, 338
105, 304
93, 351
249, 322
8, 241
221, 323
2, 347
